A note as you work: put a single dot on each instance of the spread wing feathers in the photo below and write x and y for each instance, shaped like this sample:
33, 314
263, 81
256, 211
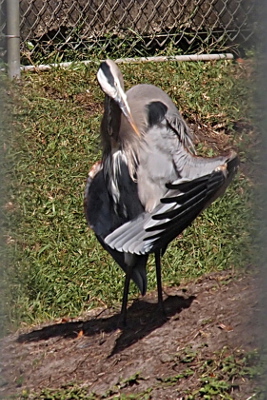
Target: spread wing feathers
189, 206
192, 193
182, 204
102, 219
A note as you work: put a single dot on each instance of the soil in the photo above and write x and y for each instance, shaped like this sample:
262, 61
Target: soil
218, 312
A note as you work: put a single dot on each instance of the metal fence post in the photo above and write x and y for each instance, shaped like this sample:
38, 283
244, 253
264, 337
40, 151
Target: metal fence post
13, 39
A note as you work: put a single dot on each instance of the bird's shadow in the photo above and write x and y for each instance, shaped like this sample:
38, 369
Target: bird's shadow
142, 318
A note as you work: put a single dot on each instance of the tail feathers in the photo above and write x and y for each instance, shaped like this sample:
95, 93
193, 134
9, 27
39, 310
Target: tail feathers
137, 262
140, 278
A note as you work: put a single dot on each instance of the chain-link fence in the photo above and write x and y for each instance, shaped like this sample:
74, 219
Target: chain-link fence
66, 30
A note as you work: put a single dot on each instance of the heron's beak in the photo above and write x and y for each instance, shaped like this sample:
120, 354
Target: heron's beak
125, 108
127, 112
133, 125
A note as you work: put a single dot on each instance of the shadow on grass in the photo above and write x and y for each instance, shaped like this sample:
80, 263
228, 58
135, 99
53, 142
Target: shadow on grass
142, 319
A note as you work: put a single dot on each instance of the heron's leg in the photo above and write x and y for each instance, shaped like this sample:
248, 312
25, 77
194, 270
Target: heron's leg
125, 295
159, 285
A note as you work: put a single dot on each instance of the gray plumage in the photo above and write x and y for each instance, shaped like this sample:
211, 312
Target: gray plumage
103, 218
150, 185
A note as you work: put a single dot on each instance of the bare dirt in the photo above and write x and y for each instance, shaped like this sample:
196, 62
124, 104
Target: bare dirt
214, 315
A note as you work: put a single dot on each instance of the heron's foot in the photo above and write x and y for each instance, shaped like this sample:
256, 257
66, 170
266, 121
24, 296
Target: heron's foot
161, 308
122, 321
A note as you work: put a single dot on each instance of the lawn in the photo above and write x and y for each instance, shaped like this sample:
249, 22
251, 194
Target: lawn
55, 267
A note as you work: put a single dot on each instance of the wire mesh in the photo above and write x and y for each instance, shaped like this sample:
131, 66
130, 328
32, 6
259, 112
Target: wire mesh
66, 30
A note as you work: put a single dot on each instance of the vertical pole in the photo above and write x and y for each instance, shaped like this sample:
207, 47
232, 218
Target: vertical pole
13, 39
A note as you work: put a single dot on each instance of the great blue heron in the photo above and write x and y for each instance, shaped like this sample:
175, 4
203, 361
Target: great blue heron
150, 185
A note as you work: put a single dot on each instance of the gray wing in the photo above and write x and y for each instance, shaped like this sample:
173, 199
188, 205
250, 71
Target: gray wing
102, 218
164, 134
149, 105
165, 151
184, 201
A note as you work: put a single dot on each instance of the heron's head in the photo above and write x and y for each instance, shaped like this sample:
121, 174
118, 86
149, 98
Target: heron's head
111, 81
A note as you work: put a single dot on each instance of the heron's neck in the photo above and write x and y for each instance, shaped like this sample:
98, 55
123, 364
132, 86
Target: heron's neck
110, 125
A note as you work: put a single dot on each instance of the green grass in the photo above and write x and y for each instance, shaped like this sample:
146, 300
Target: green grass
56, 267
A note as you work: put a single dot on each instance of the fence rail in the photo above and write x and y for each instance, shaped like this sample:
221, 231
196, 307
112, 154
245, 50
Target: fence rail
65, 30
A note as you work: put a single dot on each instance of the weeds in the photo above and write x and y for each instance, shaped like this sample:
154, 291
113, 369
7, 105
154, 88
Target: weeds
217, 377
